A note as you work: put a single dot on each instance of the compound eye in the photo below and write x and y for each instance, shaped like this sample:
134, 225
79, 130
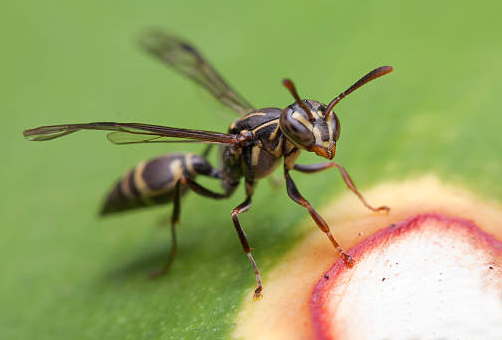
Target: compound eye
336, 126
299, 131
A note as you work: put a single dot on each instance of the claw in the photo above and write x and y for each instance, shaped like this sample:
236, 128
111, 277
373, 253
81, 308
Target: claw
257, 293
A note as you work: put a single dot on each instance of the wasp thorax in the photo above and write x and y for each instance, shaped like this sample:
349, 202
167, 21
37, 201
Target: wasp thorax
311, 131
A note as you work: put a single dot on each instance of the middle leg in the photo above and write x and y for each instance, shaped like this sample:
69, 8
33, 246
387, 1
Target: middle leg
243, 207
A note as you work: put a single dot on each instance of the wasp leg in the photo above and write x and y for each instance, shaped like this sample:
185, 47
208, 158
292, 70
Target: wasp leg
207, 150
321, 223
197, 188
243, 207
346, 178
175, 218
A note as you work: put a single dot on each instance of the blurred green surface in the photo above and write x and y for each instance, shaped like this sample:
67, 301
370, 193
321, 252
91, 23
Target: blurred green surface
67, 274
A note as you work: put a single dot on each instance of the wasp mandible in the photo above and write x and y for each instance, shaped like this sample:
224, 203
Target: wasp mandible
251, 149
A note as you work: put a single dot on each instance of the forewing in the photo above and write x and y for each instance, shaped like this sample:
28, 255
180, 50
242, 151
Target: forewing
187, 60
128, 133
121, 138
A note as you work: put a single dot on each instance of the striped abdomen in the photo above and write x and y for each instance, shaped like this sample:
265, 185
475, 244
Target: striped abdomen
150, 183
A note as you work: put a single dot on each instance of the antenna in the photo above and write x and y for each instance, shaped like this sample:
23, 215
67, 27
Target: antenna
378, 72
291, 87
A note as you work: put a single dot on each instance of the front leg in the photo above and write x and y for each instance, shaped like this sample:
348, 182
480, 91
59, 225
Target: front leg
346, 178
321, 223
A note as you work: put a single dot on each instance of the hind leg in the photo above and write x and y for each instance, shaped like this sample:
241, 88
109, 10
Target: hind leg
197, 188
175, 217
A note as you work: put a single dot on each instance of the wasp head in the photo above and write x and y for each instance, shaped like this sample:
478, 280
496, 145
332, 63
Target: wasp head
308, 127
313, 126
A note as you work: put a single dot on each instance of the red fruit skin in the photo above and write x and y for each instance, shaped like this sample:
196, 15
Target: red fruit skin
321, 291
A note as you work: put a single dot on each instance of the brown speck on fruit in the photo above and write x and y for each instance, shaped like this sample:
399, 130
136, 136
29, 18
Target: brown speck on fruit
326, 276
383, 279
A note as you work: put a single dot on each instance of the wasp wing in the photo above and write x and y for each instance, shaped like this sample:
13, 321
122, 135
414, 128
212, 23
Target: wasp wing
187, 60
129, 138
129, 133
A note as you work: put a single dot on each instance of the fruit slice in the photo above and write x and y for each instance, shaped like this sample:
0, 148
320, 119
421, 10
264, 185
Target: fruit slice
284, 311
430, 277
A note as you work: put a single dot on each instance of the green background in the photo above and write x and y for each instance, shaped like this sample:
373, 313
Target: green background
65, 273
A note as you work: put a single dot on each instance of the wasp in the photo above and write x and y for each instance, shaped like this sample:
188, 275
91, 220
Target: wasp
250, 150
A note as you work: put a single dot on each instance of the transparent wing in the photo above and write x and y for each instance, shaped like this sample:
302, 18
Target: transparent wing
129, 138
129, 133
187, 60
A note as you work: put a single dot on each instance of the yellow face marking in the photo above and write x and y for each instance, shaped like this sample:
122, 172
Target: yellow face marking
296, 115
317, 135
124, 186
329, 121
326, 143
316, 115
255, 155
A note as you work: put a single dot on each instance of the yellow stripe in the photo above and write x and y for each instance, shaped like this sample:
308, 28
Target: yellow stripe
278, 149
274, 133
177, 172
176, 169
140, 183
255, 155
265, 125
232, 126
138, 179
254, 114
124, 186
188, 163
317, 135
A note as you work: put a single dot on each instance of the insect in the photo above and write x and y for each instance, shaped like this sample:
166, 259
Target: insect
251, 149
